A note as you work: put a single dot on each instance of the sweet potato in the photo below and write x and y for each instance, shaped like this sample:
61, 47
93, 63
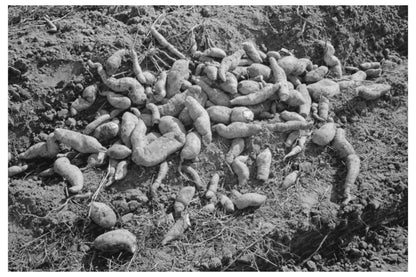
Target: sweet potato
102, 215
260, 108
279, 76
217, 96
136, 67
114, 61
213, 186
199, 69
229, 63
263, 162
201, 119
292, 138
72, 173
353, 169
163, 171
230, 84
289, 126
304, 109
241, 114
236, 148
174, 106
215, 52
85, 101
176, 75
138, 135
249, 86
97, 159
325, 87
369, 65
199, 183
298, 148
252, 52
292, 65
325, 134
373, 91
211, 71
315, 114
118, 151
258, 69
291, 116
294, 80
107, 131
290, 179
241, 170
226, 203
336, 70
177, 229
323, 108
359, 76
192, 146
209, 208
341, 144
95, 123
316, 75
155, 113
160, 86
237, 129
150, 78
183, 198
256, 97
121, 170
219, 114
48, 149
172, 139
242, 201
17, 169
116, 241
164, 43
79, 142
128, 123
134, 88
240, 72
295, 98
116, 100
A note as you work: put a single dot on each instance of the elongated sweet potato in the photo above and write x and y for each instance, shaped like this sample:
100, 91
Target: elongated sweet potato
215, 52
291, 116
85, 101
256, 97
292, 138
295, 98
373, 91
304, 109
128, 123
219, 114
114, 61
353, 170
341, 144
163, 171
201, 119
117, 101
183, 198
95, 123
48, 149
70, 172
279, 76
242, 201
213, 186
263, 162
290, 179
79, 142
241, 170
176, 75
252, 52
237, 129
299, 147
118, 151
216, 96
226, 203
369, 65
97, 159
230, 84
241, 114
164, 43
258, 69
316, 75
174, 106
249, 86
102, 215
275, 54
138, 135
116, 241
136, 67
155, 113
323, 108
177, 229
229, 63
289, 126
192, 146
172, 139
17, 169
199, 183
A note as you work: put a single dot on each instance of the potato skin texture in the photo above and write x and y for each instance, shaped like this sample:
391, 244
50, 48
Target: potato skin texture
116, 241
103, 215
263, 162
192, 146
70, 172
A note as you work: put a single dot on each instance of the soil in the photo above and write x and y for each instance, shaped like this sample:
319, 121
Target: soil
301, 228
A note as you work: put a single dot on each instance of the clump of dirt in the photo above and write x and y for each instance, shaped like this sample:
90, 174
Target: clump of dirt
298, 229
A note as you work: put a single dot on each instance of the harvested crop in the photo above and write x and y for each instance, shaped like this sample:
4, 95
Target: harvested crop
293, 66
373, 73
330, 59
242, 201
279, 76
230, 84
177, 229
183, 198
79, 142
102, 215
290, 179
226, 203
209, 208
164, 43
369, 65
241, 114
236, 148
47, 149
274, 54
176, 75
373, 91
211, 71
199, 69
107, 131
291, 116
69, 172
85, 101
241, 170
323, 108
216, 96
200, 185
163, 171
200, 118
258, 69
219, 114
128, 123
114, 61
121, 170
118, 151
304, 109
295, 98
160, 86
229, 63
116, 241
95, 123
116, 100
252, 52
263, 163
214, 52
240, 72
316, 75
249, 86
172, 139
359, 76
298, 148
97, 159
174, 105
341, 144
17, 169
150, 78
192, 146
213, 186
256, 97
138, 135
136, 67
353, 169
325, 134
237, 129
260, 109
289, 126
325, 87
292, 138
155, 113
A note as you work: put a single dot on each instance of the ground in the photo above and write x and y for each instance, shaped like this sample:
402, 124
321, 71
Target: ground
297, 229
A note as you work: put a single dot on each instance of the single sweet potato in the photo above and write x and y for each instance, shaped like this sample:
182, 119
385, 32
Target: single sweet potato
136, 67
160, 86
252, 52
219, 114
249, 86
201, 119
373, 91
290, 179
216, 96
263, 162
226, 203
85, 101
325, 87
79, 142
176, 75
128, 123
213, 186
17, 169
242, 201
279, 76
341, 144
192, 146
70, 172
316, 75
118, 152
103, 215
256, 97
215, 52
48, 149
199, 183
114, 61
164, 43
116, 241
229, 63
291, 116
163, 171
289, 126
183, 198
241, 114
237, 129
230, 84
211, 71
107, 131
177, 229
304, 109
236, 148
325, 134
258, 69
241, 170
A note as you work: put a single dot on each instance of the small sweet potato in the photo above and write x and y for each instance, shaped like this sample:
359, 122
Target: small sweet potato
215, 52
155, 113
176, 75
304, 109
323, 108
342, 145
85, 101
192, 146
245, 200
299, 147
116, 241
121, 170
118, 152
48, 149
237, 129
292, 65
292, 138
97, 159
359, 76
373, 91
183, 198
230, 84
160, 86
291, 116
95, 123
138, 135
17, 169
252, 52
279, 76
275, 54
163, 171
226, 203
241, 114
136, 67
177, 229
79, 142
258, 69
213, 186
229, 63
150, 78
199, 183
118, 101
241, 170
219, 114
201, 119
249, 86
102, 215
295, 98
325, 134
263, 162
164, 43
70, 172
256, 97
236, 148
289, 126
211, 71
369, 65
290, 179
353, 170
